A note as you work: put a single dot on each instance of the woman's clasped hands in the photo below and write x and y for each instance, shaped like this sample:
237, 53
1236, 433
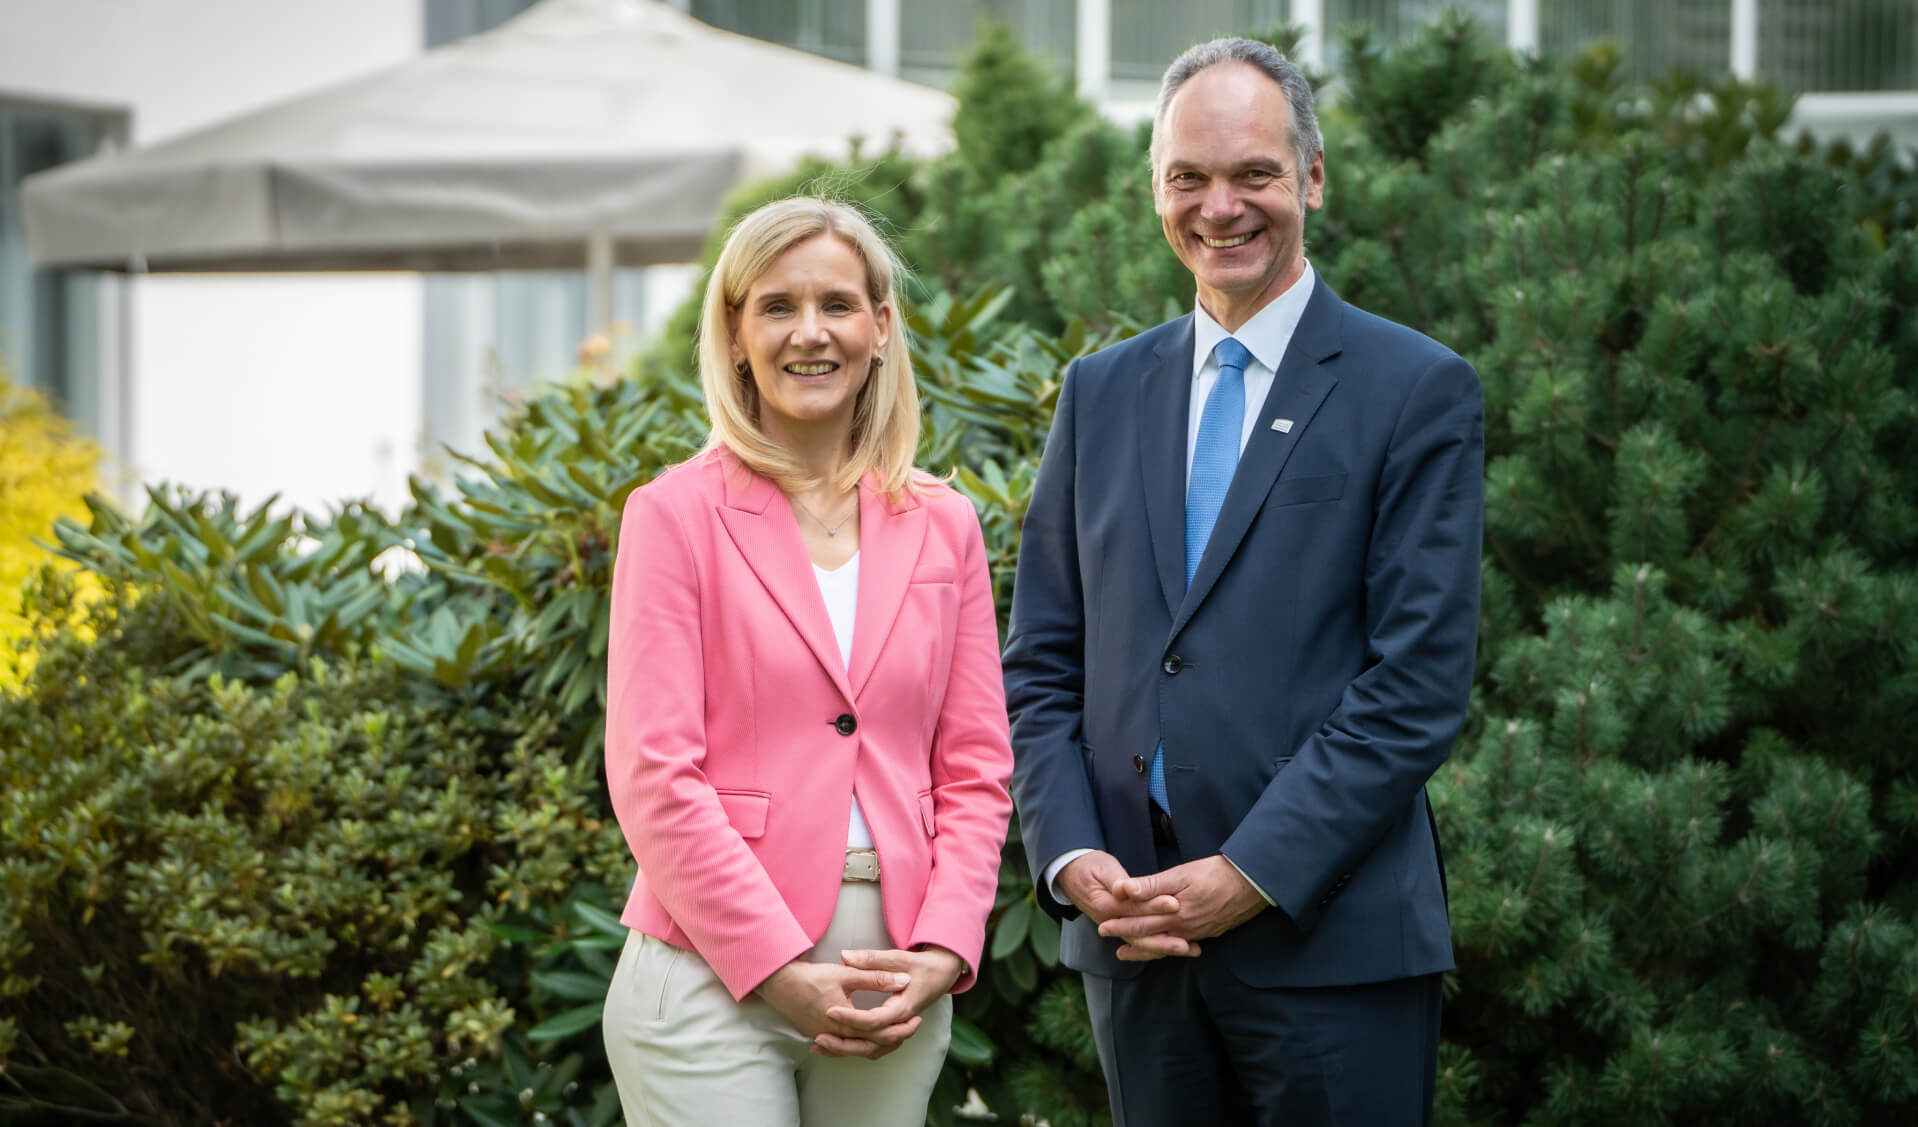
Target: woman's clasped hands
817, 998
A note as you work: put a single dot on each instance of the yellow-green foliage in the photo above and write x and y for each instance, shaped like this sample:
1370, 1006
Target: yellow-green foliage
45, 470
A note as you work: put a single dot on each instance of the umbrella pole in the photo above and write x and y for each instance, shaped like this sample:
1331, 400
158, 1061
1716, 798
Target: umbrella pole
599, 282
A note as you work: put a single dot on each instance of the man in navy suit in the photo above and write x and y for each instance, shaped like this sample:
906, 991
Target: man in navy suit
1242, 640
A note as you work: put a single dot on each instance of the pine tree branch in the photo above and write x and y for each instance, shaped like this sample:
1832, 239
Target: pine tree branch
1757, 451
1505, 747
1585, 756
1598, 437
1638, 616
1512, 570
1846, 413
1634, 166
1544, 860
1412, 289
1742, 484
1574, 261
1759, 865
1584, 535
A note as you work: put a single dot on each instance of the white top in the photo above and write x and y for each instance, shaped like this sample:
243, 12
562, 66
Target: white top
1265, 336
841, 590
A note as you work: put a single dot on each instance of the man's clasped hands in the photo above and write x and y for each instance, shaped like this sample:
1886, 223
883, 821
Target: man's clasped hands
1159, 915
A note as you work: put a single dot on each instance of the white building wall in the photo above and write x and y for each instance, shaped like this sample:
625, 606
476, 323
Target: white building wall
307, 386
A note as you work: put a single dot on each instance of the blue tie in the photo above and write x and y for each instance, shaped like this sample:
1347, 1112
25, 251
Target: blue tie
1214, 456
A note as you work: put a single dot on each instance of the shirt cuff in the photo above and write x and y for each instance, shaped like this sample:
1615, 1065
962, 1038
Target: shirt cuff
1058, 866
1269, 902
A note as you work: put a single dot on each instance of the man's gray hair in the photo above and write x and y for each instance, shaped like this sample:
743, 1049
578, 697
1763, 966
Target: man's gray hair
1306, 145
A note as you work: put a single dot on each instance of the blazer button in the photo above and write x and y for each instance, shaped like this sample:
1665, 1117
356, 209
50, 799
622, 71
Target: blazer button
1172, 665
1138, 764
845, 725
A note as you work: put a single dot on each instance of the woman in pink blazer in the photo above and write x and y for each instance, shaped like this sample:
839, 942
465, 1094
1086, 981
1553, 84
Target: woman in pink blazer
806, 734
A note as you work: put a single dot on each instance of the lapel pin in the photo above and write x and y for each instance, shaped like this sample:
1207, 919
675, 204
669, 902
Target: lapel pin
1283, 426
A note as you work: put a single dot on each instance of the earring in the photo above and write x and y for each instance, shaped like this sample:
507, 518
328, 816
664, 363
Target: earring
878, 362
741, 368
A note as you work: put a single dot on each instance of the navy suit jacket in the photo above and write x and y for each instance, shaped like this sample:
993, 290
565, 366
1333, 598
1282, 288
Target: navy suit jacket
1308, 682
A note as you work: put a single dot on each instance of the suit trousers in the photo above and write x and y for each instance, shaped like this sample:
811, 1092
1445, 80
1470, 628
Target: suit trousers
684, 1054
1187, 1042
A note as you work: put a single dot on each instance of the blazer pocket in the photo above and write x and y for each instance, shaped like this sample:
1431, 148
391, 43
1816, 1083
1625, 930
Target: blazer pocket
1307, 490
932, 575
746, 810
926, 813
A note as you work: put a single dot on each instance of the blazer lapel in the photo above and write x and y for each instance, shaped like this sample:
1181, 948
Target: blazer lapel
1165, 402
1298, 389
761, 525
890, 536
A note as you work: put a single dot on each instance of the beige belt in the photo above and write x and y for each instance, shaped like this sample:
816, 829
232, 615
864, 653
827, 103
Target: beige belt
862, 865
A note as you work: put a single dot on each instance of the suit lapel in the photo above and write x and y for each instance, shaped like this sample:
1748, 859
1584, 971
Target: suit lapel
1298, 389
890, 536
1165, 402
761, 525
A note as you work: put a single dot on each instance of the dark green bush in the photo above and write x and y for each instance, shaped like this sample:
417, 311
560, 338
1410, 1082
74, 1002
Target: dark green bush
218, 896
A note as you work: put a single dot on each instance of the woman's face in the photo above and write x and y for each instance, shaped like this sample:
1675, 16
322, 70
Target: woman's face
810, 333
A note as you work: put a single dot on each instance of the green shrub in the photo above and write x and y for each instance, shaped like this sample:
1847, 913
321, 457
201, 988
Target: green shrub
222, 901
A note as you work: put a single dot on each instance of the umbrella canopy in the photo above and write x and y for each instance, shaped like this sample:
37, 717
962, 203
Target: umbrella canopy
619, 124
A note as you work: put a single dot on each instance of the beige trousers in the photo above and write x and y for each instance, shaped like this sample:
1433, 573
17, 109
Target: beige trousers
684, 1054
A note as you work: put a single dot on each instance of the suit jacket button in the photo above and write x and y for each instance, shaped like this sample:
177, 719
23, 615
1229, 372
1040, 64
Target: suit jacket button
1172, 665
845, 725
1138, 764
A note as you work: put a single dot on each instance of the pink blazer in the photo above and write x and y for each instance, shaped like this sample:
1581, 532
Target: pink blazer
736, 737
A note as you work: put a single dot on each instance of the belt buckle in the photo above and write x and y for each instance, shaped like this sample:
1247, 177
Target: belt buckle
862, 865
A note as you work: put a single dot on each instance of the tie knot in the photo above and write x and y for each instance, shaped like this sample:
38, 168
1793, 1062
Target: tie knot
1232, 355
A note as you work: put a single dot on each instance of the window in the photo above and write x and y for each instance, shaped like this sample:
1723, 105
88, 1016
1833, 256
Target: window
52, 321
935, 36
1394, 21
1148, 34
833, 28
1834, 45
1659, 36
447, 20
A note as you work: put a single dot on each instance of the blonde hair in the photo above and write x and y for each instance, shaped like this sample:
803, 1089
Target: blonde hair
885, 422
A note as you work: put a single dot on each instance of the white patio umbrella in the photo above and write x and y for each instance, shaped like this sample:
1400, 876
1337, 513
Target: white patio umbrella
582, 133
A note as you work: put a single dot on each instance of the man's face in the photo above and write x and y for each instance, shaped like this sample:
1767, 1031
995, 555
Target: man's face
1229, 192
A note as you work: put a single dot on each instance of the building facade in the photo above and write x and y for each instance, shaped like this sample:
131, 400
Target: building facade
317, 388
